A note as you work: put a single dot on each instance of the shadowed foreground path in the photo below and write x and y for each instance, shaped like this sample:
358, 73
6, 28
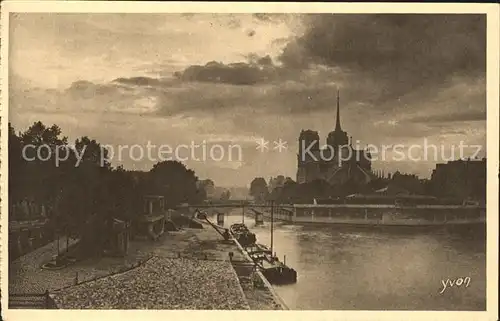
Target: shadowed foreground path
161, 283
186, 269
26, 275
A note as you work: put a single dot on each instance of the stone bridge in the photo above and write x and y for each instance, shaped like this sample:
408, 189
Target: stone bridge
283, 212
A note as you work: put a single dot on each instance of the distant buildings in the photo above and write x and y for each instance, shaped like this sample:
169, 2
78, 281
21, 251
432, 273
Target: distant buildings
460, 178
406, 184
323, 163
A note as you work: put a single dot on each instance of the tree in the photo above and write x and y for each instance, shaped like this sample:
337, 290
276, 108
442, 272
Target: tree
289, 191
175, 182
258, 189
16, 166
125, 194
318, 188
226, 195
92, 153
276, 182
408, 183
82, 190
38, 134
39, 164
201, 195
208, 186
85, 199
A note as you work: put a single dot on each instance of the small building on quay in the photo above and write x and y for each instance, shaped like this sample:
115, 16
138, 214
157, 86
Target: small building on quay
151, 224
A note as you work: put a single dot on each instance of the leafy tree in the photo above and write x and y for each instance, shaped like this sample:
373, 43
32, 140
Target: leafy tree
201, 195
175, 182
208, 186
94, 155
226, 195
16, 166
38, 134
83, 191
289, 191
258, 189
277, 182
39, 163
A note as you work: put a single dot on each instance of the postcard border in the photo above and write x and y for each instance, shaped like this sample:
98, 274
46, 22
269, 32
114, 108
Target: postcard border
492, 12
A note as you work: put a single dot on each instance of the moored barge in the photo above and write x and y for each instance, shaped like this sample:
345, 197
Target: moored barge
275, 271
241, 233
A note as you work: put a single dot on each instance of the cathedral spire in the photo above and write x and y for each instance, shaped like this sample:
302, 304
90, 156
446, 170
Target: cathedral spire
337, 125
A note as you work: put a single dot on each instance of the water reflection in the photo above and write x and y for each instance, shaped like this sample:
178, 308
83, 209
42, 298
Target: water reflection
343, 268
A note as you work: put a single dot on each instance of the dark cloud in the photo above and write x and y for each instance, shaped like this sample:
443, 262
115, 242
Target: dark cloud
86, 89
81, 85
374, 59
204, 99
255, 59
454, 132
272, 17
260, 70
470, 115
387, 66
268, 99
262, 16
138, 81
401, 52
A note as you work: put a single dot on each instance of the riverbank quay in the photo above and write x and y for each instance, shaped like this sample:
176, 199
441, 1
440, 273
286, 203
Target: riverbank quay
259, 292
160, 283
266, 287
186, 269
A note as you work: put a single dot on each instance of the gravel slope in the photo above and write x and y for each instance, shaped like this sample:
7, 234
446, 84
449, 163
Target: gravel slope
160, 283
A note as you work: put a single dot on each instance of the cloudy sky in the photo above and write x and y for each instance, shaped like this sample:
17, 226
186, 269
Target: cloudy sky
232, 79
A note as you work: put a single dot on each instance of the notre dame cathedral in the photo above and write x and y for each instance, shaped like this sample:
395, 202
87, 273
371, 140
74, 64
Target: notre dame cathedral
324, 163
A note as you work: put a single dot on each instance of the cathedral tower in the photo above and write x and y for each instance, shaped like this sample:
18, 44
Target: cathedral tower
308, 166
338, 137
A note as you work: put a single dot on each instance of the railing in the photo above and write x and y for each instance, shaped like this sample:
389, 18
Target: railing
31, 301
230, 205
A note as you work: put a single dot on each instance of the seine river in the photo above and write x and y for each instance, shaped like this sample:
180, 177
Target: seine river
346, 268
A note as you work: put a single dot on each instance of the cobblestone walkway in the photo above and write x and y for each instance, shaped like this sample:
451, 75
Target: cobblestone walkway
27, 276
161, 283
187, 269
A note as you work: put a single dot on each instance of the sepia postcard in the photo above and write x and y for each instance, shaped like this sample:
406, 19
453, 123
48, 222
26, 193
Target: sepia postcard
222, 161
